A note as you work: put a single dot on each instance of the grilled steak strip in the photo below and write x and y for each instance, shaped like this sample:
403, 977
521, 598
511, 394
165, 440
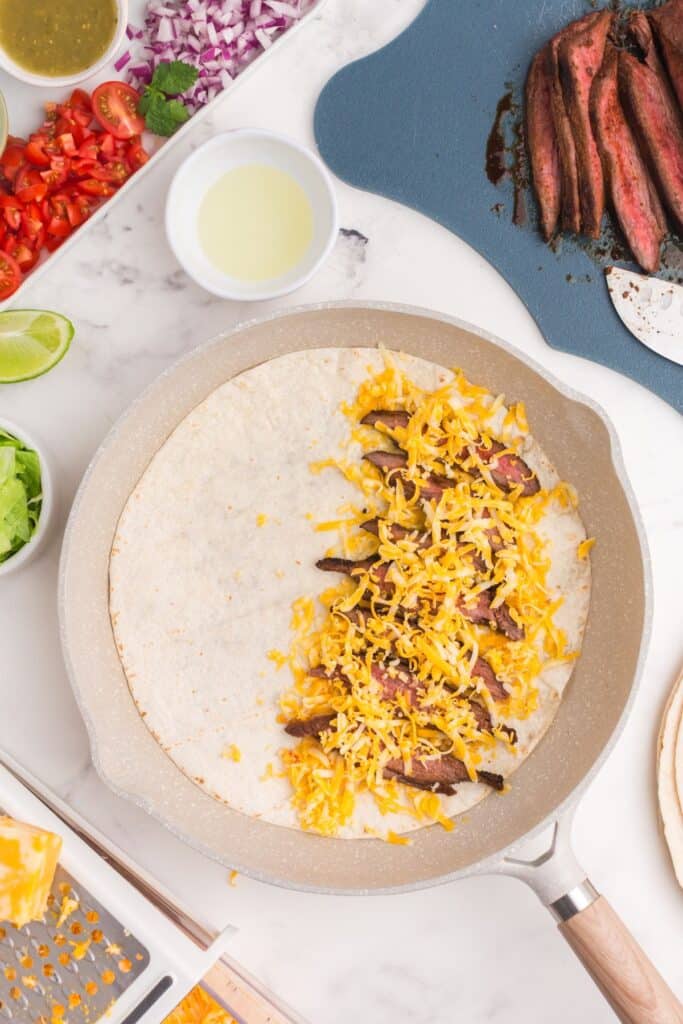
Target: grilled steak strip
668, 25
492, 779
507, 471
315, 726
439, 775
393, 465
386, 418
631, 191
481, 613
483, 671
422, 539
570, 209
580, 55
397, 532
347, 566
541, 138
493, 536
651, 106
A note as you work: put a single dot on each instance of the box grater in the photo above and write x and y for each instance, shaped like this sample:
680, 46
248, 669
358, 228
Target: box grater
114, 944
76, 964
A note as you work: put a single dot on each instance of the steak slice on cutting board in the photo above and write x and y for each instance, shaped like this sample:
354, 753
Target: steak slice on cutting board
631, 192
651, 107
580, 53
541, 139
668, 25
570, 209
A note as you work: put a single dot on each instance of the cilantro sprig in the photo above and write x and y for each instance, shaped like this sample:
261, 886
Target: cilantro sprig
159, 104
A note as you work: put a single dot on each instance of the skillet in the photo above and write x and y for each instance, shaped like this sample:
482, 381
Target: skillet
584, 449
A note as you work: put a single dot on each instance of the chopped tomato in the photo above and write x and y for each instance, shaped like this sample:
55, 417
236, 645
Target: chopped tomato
136, 155
114, 171
21, 253
11, 211
90, 150
115, 106
12, 160
93, 187
29, 186
35, 151
51, 184
107, 145
67, 144
10, 275
80, 100
31, 221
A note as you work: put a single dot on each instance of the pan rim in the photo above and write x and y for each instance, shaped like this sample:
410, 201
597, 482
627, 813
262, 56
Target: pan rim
492, 863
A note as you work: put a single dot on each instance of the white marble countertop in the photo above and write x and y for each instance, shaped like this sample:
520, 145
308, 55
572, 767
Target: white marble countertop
483, 949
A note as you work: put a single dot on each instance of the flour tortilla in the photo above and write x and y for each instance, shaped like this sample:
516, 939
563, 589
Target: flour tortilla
200, 593
670, 805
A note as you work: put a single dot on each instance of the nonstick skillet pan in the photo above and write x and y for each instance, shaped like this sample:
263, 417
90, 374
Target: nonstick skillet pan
493, 838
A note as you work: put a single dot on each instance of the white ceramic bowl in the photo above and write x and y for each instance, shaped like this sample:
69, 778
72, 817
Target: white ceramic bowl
24, 554
57, 81
206, 166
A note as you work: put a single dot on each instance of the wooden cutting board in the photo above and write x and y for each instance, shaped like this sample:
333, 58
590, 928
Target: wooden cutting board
411, 122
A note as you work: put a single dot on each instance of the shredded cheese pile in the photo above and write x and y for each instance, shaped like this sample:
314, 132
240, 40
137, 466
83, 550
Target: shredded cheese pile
417, 621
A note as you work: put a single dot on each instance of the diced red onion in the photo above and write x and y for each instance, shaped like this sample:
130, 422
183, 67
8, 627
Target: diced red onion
218, 37
122, 61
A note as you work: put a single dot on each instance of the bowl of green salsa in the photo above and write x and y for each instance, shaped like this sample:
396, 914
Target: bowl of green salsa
59, 42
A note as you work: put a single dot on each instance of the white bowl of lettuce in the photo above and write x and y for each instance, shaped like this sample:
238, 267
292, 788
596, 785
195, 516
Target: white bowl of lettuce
25, 497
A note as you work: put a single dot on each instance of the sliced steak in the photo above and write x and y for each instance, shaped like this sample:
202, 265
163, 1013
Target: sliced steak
507, 471
480, 612
397, 682
347, 566
496, 542
421, 538
650, 104
580, 56
668, 25
438, 774
631, 190
315, 726
492, 779
386, 418
570, 208
541, 139
482, 670
432, 486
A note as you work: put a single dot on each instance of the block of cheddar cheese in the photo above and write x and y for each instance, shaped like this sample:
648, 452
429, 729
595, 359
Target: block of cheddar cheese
199, 1008
28, 861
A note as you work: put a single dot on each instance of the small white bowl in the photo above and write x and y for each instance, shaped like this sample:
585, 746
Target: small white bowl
57, 81
30, 549
206, 166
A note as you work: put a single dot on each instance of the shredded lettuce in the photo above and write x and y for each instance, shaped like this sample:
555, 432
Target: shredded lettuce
20, 494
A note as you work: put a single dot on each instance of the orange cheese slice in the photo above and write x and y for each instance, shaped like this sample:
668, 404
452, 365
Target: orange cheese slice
28, 861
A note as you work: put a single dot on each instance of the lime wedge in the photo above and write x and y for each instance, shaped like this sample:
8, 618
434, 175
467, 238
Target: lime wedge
32, 341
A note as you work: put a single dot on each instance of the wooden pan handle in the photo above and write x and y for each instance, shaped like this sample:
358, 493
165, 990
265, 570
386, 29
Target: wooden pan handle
244, 997
635, 990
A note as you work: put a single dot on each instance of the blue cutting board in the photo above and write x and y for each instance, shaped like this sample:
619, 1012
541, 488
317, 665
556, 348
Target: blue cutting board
411, 122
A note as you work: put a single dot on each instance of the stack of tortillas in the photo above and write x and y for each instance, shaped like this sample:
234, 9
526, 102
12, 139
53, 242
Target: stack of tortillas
670, 776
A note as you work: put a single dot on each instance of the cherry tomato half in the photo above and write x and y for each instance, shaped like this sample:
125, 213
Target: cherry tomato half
115, 106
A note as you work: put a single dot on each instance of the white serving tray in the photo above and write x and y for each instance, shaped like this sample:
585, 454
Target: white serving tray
25, 110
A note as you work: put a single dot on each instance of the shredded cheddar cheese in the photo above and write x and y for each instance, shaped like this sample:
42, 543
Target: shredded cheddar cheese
436, 556
585, 547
